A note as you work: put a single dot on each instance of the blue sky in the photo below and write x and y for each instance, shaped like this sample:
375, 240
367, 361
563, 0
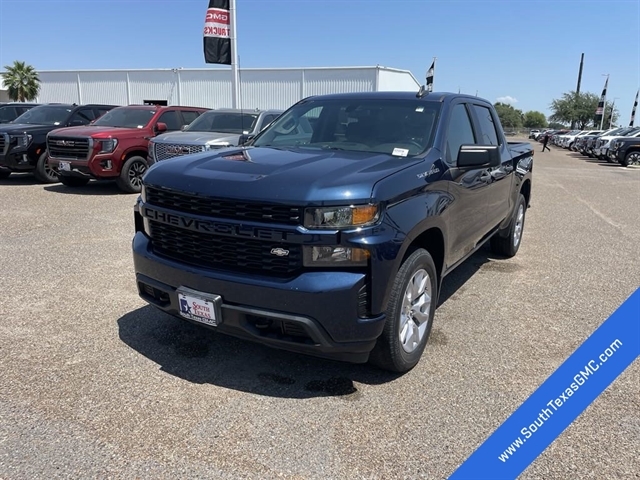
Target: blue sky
525, 49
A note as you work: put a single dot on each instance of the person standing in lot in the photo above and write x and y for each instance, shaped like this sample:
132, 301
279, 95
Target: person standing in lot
544, 142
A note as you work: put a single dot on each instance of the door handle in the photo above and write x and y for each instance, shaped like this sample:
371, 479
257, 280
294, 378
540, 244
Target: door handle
508, 168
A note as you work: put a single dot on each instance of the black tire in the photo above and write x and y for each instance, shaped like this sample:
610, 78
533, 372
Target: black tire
44, 172
4, 173
389, 352
130, 179
69, 181
508, 246
632, 159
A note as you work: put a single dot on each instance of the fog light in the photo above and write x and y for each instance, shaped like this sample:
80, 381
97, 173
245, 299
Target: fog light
336, 256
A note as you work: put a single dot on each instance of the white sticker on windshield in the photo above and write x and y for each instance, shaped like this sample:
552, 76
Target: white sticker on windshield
400, 152
56, 123
420, 109
140, 126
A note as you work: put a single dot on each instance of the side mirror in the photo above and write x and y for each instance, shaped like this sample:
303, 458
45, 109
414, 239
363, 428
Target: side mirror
478, 156
245, 139
161, 127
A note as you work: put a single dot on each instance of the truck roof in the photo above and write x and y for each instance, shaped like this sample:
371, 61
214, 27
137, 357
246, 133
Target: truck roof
429, 97
164, 107
248, 111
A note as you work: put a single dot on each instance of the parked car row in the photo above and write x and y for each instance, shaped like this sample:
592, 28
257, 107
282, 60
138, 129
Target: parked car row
616, 145
74, 143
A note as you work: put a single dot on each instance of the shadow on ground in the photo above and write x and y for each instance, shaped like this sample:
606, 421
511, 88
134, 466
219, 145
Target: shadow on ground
92, 188
200, 355
20, 180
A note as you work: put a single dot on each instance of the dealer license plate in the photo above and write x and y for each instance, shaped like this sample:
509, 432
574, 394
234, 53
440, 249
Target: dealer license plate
199, 307
66, 166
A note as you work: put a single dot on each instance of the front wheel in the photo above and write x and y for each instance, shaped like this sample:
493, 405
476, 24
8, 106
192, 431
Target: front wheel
410, 312
508, 246
45, 172
632, 159
133, 170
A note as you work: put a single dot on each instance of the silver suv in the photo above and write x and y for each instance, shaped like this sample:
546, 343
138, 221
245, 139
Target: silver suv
213, 129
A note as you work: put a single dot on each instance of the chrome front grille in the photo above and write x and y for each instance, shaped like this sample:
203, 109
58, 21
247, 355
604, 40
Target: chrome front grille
164, 151
4, 143
74, 148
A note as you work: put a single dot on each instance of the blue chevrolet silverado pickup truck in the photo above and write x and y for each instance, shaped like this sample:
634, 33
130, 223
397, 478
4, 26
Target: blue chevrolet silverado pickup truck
329, 232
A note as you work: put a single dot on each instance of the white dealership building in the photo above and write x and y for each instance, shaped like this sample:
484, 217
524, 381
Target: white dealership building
260, 88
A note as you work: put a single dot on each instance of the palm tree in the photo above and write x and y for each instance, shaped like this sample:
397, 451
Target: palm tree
22, 82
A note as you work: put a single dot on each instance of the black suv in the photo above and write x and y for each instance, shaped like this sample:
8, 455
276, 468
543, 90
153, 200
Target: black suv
23, 142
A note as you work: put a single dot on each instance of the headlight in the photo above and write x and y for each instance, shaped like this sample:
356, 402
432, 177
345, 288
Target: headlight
107, 146
23, 141
152, 150
341, 217
335, 256
143, 193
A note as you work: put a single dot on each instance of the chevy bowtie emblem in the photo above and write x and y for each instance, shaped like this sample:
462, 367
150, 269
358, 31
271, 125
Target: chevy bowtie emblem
280, 252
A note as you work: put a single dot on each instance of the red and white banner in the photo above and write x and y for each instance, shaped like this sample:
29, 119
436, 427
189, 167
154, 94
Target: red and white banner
217, 33
217, 23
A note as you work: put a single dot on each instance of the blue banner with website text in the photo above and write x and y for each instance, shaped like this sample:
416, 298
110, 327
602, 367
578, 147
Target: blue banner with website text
560, 399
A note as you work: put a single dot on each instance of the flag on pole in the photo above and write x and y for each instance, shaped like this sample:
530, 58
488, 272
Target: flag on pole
633, 111
430, 76
600, 110
217, 39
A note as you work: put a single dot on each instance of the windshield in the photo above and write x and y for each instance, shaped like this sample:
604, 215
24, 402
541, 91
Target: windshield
391, 126
45, 115
125, 117
223, 122
624, 131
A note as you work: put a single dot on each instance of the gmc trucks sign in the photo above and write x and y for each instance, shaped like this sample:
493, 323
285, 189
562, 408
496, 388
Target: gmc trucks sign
216, 23
217, 45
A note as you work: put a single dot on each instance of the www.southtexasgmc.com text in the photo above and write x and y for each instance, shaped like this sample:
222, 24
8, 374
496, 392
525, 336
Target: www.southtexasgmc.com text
555, 404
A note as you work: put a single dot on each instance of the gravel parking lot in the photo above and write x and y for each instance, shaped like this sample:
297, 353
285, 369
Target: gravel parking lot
95, 383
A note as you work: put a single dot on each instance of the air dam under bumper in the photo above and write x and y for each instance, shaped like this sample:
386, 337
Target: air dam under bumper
314, 313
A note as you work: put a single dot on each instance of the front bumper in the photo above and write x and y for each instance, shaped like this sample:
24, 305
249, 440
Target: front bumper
617, 156
315, 313
100, 166
17, 161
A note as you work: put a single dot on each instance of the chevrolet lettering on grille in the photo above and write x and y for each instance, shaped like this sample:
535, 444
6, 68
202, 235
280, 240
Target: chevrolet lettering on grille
219, 228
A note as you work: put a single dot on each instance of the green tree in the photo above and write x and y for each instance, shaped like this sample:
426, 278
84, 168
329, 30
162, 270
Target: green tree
580, 108
557, 125
509, 117
534, 119
22, 82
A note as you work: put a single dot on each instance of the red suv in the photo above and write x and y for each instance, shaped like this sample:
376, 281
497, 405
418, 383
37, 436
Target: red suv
115, 146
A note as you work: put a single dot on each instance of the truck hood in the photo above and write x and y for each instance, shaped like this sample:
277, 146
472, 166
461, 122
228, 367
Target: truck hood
25, 127
289, 176
197, 138
101, 132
